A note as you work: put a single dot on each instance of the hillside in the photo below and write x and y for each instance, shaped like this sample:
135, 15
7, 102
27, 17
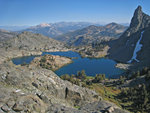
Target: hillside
92, 34
6, 35
30, 41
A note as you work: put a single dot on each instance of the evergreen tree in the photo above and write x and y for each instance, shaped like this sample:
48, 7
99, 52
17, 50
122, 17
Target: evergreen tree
78, 74
83, 74
147, 78
65, 77
138, 74
144, 96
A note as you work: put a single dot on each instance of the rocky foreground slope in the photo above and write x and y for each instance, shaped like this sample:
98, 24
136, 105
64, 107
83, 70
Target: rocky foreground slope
34, 89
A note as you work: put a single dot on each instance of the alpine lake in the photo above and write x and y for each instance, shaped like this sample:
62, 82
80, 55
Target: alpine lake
92, 66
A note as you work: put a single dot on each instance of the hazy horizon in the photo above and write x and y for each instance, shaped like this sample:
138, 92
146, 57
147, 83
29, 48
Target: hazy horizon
33, 12
100, 23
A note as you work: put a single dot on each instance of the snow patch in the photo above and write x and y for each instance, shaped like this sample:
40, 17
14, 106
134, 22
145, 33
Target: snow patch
22, 93
18, 90
44, 25
137, 49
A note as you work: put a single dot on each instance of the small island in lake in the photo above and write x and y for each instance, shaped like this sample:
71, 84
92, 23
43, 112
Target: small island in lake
51, 62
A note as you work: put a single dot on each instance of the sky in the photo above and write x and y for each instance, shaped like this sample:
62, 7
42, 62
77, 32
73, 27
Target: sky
34, 12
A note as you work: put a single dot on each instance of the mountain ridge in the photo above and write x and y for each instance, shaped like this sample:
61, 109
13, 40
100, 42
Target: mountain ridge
93, 34
59, 28
6, 35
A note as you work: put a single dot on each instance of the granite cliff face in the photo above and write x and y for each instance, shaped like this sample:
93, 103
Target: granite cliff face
123, 48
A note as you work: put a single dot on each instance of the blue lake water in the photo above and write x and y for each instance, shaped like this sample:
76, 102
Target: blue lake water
92, 66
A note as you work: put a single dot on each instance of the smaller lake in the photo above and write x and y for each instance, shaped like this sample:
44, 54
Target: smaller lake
92, 66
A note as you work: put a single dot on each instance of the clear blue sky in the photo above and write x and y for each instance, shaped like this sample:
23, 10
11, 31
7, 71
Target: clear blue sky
32, 12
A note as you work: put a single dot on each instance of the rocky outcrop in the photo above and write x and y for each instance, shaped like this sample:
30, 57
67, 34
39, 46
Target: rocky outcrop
122, 66
102, 107
51, 62
122, 49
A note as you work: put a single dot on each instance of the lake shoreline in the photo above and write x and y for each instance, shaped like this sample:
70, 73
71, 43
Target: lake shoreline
92, 66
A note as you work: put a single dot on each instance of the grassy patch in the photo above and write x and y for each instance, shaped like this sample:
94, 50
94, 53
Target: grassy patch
77, 107
107, 93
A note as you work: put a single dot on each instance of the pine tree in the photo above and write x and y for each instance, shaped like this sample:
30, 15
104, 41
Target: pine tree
145, 96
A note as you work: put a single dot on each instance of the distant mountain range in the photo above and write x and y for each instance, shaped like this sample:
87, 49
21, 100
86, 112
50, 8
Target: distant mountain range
92, 34
14, 28
123, 48
59, 28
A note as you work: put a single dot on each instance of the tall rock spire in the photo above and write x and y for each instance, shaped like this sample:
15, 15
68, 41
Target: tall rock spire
139, 21
137, 18
123, 48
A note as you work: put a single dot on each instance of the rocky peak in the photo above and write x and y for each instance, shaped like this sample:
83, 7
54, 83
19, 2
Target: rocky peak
123, 48
44, 25
138, 10
139, 21
137, 18
91, 27
112, 24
